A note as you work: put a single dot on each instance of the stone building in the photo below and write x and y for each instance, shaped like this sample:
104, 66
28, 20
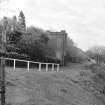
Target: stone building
58, 41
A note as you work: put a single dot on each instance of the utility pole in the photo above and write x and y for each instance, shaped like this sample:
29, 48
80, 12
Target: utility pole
3, 48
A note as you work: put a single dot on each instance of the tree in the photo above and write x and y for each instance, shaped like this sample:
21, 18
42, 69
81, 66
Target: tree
43, 38
34, 43
22, 21
74, 54
15, 23
13, 33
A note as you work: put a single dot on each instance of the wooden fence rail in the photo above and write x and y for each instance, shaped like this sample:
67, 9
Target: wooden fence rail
39, 63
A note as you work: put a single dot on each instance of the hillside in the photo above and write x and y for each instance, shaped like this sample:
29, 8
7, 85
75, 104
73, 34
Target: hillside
36, 88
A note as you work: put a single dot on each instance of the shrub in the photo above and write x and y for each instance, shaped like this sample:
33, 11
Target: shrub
17, 56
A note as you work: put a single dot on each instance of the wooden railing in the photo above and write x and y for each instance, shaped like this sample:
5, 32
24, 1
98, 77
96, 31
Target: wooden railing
39, 63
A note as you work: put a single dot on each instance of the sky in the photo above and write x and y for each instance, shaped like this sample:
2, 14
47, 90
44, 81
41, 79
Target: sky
83, 20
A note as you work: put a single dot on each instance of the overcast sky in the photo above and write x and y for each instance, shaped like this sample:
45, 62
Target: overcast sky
84, 20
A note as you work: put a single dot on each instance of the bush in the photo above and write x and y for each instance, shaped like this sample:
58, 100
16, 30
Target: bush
17, 56
98, 77
93, 67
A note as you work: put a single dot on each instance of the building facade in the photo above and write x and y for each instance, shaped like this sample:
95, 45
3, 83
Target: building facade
58, 41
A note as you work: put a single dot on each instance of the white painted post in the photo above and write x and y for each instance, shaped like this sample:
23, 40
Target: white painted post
57, 67
39, 66
28, 65
52, 67
46, 67
14, 64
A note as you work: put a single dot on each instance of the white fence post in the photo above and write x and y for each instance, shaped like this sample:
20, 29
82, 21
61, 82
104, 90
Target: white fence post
14, 64
39, 66
57, 67
46, 67
52, 67
28, 65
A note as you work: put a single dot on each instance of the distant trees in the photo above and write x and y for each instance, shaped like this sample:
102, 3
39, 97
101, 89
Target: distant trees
31, 41
73, 53
97, 53
36, 43
14, 34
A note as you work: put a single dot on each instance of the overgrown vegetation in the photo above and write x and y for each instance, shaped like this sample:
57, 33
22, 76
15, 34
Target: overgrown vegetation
97, 53
34, 43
